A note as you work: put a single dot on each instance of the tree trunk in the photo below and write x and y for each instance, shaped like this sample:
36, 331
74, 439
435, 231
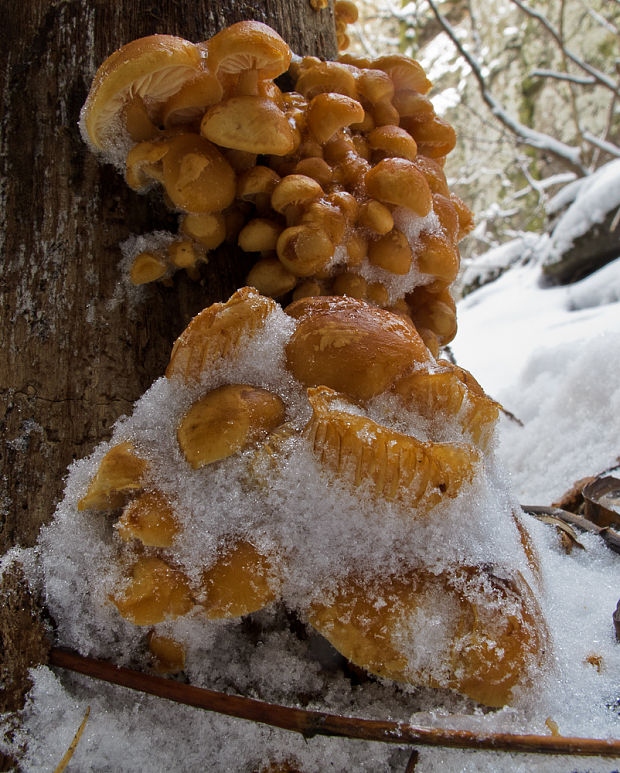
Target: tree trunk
76, 352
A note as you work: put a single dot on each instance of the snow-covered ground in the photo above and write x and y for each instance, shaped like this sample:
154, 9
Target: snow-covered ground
551, 356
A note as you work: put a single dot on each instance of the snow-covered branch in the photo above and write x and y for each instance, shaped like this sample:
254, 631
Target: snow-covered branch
563, 76
608, 147
569, 154
597, 74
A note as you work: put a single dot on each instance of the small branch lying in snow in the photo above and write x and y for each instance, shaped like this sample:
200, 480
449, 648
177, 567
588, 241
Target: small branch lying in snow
311, 723
570, 155
611, 536
562, 76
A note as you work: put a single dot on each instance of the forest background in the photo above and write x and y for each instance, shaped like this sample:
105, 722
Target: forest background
532, 89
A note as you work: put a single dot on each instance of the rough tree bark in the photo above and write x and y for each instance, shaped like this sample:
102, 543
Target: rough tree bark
73, 359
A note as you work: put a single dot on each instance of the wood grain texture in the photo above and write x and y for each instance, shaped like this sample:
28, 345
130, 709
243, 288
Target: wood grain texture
76, 350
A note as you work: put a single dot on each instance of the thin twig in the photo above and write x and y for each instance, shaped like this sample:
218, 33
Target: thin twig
413, 761
562, 76
76, 739
609, 535
311, 723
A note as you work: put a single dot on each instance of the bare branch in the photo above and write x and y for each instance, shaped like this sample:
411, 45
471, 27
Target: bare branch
563, 76
571, 85
602, 21
597, 74
608, 147
311, 723
570, 155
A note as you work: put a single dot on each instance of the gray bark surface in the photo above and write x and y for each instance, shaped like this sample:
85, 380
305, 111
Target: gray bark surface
76, 353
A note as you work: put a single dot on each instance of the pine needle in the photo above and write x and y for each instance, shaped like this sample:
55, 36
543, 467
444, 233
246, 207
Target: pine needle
76, 739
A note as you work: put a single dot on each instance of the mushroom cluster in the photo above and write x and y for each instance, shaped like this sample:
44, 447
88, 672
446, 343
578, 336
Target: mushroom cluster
298, 413
335, 187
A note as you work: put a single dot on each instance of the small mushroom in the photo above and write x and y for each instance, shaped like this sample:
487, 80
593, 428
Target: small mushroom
438, 256
435, 311
375, 86
357, 248
330, 112
307, 289
271, 278
398, 181
434, 174
188, 105
216, 332
259, 235
393, 141
435, 137
120, 474
385, 114
206, 228
256, 187
326, 217
144, 164
246, 53
227, 420
184, 254
377, 293
293, 193
155, 592
147, 267
251, 123
197, 178
375, 216
316, 77
150, 519
465, 216
411, 104
241, 581
304, 249
168, 654
350, 346
317, 168
151, 69
353, 285
447, 216
405, 73
391, 252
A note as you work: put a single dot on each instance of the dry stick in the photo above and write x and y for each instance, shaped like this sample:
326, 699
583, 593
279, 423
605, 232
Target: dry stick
76, 739
311, 723
609, 535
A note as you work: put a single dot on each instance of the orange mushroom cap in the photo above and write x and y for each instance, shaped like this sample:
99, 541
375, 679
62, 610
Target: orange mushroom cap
330, 112
248, 45
196, 175
398, 181
250, 123
153, 68
405, 73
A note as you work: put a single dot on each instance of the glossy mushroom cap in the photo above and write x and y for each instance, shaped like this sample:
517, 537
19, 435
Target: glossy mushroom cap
246, 53
151, 69
351, 346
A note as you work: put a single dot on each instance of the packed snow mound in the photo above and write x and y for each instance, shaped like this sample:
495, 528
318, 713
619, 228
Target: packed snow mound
592, 199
